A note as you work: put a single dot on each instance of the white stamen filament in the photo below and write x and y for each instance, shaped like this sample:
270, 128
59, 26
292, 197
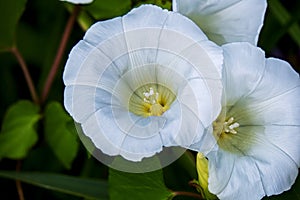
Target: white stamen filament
149, 96
229, 126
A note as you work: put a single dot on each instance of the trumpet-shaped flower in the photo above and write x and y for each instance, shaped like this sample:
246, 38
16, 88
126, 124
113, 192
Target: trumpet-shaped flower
258, 130
225, 21
143, 81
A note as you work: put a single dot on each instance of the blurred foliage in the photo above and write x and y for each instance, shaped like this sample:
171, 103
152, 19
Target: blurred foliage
9, 19
81, 187
38, 143
137, 186
60, 134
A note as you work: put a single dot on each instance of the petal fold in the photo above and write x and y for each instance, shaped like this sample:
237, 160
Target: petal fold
225, 21
243, 63
234, 177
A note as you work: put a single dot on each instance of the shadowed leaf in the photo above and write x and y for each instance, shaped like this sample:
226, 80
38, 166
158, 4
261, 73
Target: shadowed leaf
60, 133
10, 14
81, 187
18, 132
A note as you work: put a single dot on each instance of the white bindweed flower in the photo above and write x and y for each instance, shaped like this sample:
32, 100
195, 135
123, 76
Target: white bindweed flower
225, 21
144, 81
258, 130
79, 1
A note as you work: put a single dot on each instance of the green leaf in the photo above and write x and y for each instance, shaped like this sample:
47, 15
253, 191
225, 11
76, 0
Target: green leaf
60, 133
18, 132
100, 9
127, 186
166, 4
11, 11
81, 187
285, 19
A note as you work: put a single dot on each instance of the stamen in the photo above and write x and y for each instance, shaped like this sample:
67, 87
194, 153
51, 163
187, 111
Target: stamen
235, 125
229, 126
151, 100
151, 97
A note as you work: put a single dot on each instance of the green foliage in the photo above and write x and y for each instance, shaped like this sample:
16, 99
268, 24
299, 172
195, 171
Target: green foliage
279, 23
100, 9
285, 19
18, 133
10, 14
81, 187
167, 4
146, 186
60, 133
43, 136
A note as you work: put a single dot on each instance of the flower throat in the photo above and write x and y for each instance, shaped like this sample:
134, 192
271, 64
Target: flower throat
151, 100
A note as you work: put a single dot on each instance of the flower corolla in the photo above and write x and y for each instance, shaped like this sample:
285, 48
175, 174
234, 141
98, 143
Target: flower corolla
258, 129
144, 81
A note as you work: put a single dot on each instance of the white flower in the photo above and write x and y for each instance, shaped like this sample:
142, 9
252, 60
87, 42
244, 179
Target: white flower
143, 81
258, 130
225, 21
79, 1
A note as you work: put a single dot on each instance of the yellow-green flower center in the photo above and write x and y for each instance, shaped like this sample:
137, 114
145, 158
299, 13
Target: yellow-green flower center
230, 136
151, 100
225, 126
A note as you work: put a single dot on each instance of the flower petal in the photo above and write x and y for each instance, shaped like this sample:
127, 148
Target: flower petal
282, 84
91, 98
79, 1
277, 170
233, 177
286, 80
77, 57
205, 144
118, 141
225, 21
285, 138
101, 31
205, 58
243, 63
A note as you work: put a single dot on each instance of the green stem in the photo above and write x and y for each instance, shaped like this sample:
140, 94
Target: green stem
26, 73
188, 194
60, 52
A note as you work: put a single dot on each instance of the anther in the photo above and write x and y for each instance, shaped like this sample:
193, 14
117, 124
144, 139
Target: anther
151, 97
229, 126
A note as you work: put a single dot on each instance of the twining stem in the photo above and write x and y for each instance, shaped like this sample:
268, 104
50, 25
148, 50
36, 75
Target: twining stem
18, 182
188, 194
28, 78
59, 54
